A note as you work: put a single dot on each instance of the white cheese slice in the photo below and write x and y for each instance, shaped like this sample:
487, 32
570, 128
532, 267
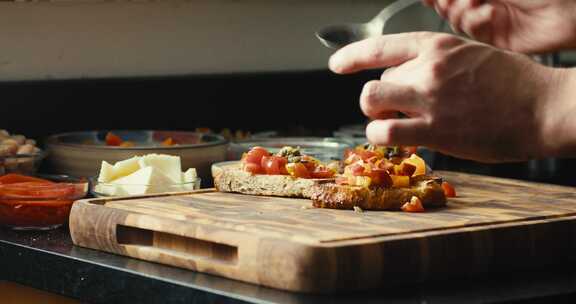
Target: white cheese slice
126, 167
144, 181
110, 190
167, 164
106, 172
189, 176
189, 180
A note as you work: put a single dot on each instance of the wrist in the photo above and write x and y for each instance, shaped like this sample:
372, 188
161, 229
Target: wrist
557, 113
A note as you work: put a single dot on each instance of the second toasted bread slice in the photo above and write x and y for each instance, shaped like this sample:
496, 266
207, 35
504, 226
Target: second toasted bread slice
330, 195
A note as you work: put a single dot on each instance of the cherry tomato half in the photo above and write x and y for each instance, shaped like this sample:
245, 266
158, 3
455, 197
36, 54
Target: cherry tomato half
253, 168
274, 165
300, 170
255, 155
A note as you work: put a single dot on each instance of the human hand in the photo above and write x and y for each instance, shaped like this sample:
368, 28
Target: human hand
527, 26
463, 98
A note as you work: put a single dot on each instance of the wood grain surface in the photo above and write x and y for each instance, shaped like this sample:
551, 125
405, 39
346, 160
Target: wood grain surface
493, 225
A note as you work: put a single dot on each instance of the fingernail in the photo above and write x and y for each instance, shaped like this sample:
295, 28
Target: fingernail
487, 11
334, 63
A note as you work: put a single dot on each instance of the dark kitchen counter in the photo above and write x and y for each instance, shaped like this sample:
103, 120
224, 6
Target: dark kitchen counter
49, 261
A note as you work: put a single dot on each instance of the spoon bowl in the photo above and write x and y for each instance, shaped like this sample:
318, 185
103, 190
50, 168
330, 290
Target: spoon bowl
337, 36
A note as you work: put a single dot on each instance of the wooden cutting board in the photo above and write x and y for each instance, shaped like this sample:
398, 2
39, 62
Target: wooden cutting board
493, 225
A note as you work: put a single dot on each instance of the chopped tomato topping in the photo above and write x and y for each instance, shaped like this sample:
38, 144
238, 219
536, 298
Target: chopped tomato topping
407, 168
449, 190
414, 205
366, 155
322, 172
127, 144
357, 169
347, 153
113, 140
380, 178
384, 164
259, 161
352, 158
168, 142
417, 162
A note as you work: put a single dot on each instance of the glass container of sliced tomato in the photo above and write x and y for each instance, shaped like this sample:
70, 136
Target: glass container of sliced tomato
38, 203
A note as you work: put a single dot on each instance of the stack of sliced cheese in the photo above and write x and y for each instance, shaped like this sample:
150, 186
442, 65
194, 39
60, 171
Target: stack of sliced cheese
153, 173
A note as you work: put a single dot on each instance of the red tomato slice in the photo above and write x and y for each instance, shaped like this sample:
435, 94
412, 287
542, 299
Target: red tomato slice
255, 155
253, 168
275, 165
13, 178
113, 140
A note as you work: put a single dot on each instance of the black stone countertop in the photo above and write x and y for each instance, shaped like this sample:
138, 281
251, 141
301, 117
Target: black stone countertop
49, 261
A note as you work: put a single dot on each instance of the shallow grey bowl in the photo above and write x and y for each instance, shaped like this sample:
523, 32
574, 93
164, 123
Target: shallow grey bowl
81, 153
323, 148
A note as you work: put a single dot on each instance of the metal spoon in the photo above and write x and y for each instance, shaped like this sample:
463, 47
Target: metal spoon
337, 36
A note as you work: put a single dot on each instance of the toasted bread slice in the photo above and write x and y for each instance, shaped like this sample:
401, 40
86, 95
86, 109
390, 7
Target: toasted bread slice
233, 179
330, 195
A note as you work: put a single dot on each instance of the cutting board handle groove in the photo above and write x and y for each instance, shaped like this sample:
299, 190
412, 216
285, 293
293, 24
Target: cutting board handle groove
179, 247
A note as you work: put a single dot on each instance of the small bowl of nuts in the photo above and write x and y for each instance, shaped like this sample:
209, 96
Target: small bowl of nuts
18, 154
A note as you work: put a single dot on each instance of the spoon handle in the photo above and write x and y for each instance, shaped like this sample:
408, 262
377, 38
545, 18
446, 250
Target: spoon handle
393, 9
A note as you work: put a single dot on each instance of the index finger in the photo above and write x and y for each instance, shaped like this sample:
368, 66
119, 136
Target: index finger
378, 52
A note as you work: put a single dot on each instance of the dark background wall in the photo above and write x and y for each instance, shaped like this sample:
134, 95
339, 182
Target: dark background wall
315, 103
